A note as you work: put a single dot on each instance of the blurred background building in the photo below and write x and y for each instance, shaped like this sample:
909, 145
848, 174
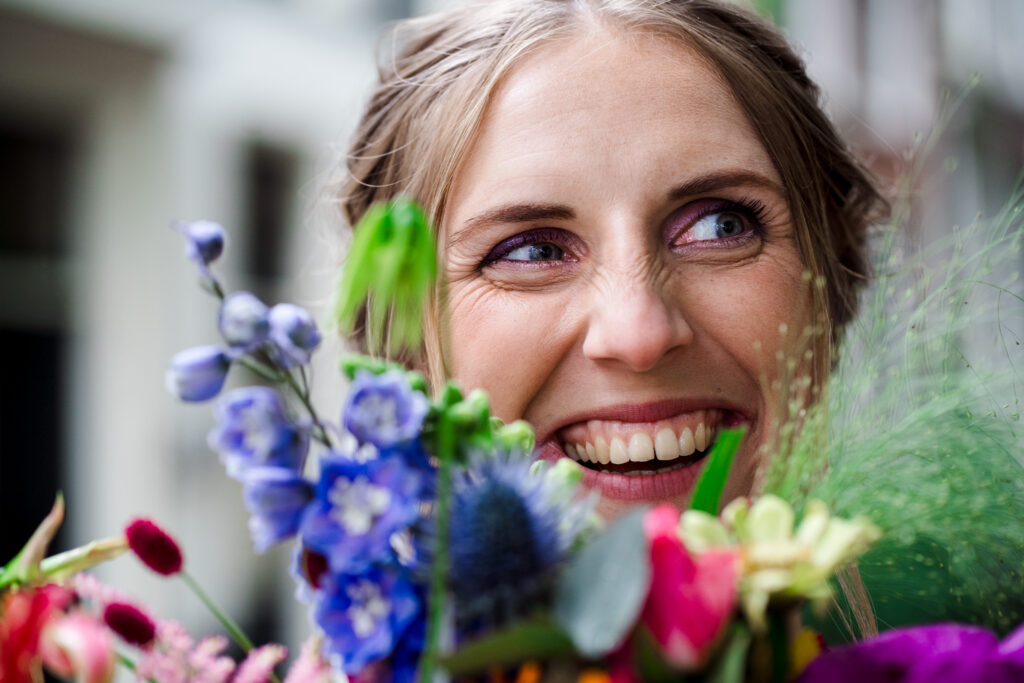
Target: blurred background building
119, 116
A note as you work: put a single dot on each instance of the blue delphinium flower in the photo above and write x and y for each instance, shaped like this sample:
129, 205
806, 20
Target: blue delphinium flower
198, 373
205, 244
384, 410
243, 320
293, 333
358, 506
507, 534
362, 616
276, 497
253, 429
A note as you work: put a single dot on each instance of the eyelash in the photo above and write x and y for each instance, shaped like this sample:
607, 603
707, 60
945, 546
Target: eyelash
538, 236
753, 210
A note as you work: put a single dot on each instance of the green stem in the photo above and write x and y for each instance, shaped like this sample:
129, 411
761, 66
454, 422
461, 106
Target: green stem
446, 456
778, 639
233, 629
320, 434
127, 663
229, 624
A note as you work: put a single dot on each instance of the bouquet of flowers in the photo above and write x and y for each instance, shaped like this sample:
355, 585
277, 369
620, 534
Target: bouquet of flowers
430, 545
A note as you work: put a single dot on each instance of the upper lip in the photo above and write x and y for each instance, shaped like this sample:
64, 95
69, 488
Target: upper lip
643, 412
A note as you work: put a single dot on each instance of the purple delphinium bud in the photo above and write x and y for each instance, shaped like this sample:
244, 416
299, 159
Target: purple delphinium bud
205, 243
293, 333
276, 498
363, 616
358, 507
243, 320
253, 429
384, 410
198, 373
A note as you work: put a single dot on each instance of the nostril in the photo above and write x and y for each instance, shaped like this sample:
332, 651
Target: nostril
638, 332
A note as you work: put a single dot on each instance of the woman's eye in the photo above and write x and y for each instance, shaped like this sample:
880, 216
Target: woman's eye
716, 226
542, 251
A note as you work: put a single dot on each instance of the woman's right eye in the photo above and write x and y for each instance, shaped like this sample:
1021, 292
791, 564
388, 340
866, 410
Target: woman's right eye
542, 251
540, 247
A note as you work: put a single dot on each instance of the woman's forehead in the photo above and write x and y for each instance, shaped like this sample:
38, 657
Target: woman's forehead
599, 113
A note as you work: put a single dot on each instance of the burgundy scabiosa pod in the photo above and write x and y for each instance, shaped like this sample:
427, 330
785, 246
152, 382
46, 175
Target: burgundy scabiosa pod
129, 622
154, 547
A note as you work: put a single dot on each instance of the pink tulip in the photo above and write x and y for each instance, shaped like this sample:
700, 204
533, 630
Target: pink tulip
78, 645
691, 597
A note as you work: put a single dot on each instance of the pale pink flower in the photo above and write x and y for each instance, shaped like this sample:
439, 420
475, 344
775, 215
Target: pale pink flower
78, 645
691, 597
310, 667
260, 663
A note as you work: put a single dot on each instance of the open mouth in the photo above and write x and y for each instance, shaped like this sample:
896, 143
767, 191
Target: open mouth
638, 451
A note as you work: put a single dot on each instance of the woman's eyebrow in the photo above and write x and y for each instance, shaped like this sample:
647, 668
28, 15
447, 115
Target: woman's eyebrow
721, 180
513, 213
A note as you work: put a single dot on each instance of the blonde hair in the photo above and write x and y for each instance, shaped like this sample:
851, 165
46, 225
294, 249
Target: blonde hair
439, 75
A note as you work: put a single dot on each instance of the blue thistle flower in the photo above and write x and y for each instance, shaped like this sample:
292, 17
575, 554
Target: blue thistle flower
507, 535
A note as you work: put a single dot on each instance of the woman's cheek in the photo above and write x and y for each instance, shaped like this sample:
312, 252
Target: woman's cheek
505, 342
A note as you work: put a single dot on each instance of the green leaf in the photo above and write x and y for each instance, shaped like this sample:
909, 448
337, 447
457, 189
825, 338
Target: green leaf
707, 494
731, 665
600, 594
536, 639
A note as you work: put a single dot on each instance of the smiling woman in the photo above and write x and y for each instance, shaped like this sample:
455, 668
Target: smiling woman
634, 199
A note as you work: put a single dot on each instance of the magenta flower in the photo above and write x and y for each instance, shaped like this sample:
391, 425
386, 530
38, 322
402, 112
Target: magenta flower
925, 654
154, 547
692, 596
129, 622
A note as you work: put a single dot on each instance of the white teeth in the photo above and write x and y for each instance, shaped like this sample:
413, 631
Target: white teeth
686, 446
591, 452
601, 450
641, 448
666, 445
617, 451
570, 450
700, 437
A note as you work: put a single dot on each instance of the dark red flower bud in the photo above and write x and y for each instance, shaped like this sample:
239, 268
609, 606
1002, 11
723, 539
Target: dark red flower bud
313, 566
132, 624
154, 547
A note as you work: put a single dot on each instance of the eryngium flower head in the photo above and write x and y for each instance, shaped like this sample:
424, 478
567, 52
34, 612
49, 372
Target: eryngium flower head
128, 621
384, 410
293, 333
243, 320
507, 535
358, 506
254, 430
198, 373
276, 497
364, 615
154, 547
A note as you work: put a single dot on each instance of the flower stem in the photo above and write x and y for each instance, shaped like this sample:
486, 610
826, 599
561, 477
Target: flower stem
127, 663
233, 629
446, 455
320, 434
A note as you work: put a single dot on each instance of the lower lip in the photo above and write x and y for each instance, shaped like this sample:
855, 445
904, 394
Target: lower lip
635, 488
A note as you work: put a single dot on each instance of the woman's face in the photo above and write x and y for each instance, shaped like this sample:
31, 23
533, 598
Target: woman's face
620, 259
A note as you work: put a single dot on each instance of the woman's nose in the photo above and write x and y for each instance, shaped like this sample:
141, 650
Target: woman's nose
635, 324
